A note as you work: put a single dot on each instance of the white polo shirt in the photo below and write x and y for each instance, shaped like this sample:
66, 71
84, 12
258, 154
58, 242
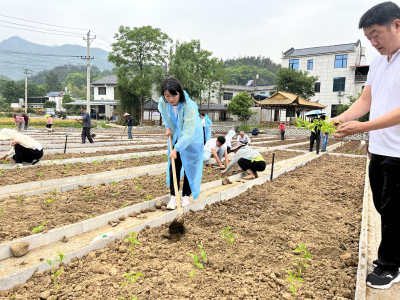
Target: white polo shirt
384, 79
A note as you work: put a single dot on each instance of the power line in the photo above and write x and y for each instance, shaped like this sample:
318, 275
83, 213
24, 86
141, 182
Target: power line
43, 23
39, 27
102, 37
41, 31
102, 45
35, 54
21, 63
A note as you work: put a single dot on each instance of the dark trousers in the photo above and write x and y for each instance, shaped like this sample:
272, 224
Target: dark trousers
384, 176
246, 164
186, 187
315, 137
23, 154
204, 135
26, 124
86, 134
282, 135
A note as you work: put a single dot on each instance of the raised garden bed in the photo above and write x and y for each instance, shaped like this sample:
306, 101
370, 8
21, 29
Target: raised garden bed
352, 147
269, 220
280, 143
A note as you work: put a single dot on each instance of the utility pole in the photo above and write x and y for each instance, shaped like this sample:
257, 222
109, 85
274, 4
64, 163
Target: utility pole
88, 40
26, 72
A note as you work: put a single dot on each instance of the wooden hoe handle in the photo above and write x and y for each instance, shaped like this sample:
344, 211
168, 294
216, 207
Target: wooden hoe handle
178, 200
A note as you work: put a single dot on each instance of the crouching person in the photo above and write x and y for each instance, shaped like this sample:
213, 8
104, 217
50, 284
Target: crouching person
24, 148
216, 148
248, 159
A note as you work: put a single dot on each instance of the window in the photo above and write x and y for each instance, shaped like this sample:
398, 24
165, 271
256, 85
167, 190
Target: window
289, 113
341, 61
339, 84
228, 96
317, 87
294, 64
102, 91
310, 64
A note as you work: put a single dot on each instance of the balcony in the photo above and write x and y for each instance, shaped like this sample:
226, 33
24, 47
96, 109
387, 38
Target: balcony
360, 78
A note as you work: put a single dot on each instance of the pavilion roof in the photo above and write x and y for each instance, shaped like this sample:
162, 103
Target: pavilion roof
288, 100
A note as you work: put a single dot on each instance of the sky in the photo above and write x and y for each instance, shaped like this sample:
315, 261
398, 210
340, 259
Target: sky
228, 28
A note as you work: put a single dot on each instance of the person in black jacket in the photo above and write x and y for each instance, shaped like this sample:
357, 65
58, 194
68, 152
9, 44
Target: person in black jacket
315, 136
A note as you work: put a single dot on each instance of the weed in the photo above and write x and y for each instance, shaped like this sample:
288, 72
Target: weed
3, 212
39, 228
132, 239
139, 187
229, 237
55, 273
195, 258
295, 279
40, 175
130, 279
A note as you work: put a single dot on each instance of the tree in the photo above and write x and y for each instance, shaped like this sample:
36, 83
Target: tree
66, 99
214, 78
52, 82
12, 91
136, 51
345, 107
49, 104
296, 82
240, 106
75, 79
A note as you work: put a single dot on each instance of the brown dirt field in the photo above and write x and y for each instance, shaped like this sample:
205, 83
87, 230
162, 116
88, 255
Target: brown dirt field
270, 220
280, 143
352, 147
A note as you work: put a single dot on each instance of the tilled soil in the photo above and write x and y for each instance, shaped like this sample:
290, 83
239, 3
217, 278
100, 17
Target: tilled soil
269, 220
280, 143
306, 147
352, 147
47, 172
76, 205
100, 153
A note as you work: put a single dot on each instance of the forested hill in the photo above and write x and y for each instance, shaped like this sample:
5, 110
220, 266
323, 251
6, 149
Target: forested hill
241, 70
17, 54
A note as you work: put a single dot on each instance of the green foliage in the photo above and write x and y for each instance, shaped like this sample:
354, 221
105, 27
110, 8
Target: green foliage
52, 82
132, 239
295, 279
114, 183
296, 82
214, 77
60, 257
345, 107
229, 237
40, 175
66, 99
39, 228
115, 194
19, 199
139, 187
241, 74
135, 51
49, 201
324, 126
196, 262
260, 62
3, 212
240, 106
49, 104
148, 197
130, 279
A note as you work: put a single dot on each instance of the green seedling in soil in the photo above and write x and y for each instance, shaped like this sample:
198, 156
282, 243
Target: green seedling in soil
19, 200
196, 262
229, 237
3, 212
90, 216
125, 205
49, 201
148, 197
139, 187
114, 183
94, 163
165, 157
12, 297
130, 279
115, 194
219, 177
40, 175
132, 239
54, 192
160, 183
78, 163
39, 228
119, 162
60, 158
136, 179
295, 279
60, 257
105, 159
137, 157
67, 168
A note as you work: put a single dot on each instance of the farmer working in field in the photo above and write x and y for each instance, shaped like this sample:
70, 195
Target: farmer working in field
183, 124
243, 138
381, 97
24, 148
216, 147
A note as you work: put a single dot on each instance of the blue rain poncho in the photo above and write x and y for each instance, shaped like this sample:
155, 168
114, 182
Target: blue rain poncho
189, 134
207, 129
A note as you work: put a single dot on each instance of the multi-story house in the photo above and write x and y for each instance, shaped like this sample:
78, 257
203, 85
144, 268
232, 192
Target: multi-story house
341, 71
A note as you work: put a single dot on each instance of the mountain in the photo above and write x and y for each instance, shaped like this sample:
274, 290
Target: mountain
12, 63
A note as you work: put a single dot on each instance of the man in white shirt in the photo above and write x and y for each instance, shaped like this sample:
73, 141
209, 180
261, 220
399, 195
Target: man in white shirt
215, 147
381, 97
243, 138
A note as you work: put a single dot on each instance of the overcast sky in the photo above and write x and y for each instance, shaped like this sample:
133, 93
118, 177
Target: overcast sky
227, 28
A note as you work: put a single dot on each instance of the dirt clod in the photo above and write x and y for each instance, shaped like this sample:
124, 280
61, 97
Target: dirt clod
152, 209
121, 218
133, 214
64, 239
19, 249
144, 210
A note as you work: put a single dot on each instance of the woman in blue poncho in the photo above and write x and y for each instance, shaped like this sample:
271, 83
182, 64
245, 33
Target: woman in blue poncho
183, 124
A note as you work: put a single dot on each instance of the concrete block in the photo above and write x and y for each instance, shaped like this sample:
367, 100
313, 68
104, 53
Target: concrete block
15, 188
233, 192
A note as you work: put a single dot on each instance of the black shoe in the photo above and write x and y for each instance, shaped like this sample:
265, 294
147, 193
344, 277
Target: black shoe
311, 150
382, 279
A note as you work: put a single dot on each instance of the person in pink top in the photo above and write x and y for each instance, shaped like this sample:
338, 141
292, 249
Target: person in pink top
49, 123
282, 130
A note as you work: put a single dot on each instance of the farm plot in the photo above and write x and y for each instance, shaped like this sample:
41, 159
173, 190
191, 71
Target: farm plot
22, 214
280, 143
352, 147
270, 220
306, 147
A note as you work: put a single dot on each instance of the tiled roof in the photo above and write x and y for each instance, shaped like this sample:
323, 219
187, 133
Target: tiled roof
112, 79
320, 50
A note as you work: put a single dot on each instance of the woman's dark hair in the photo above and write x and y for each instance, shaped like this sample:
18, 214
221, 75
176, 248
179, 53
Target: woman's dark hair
203, 114
382, 14
174, 87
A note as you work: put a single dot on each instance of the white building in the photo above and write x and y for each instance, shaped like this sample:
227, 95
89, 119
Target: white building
231, 90
339, 67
